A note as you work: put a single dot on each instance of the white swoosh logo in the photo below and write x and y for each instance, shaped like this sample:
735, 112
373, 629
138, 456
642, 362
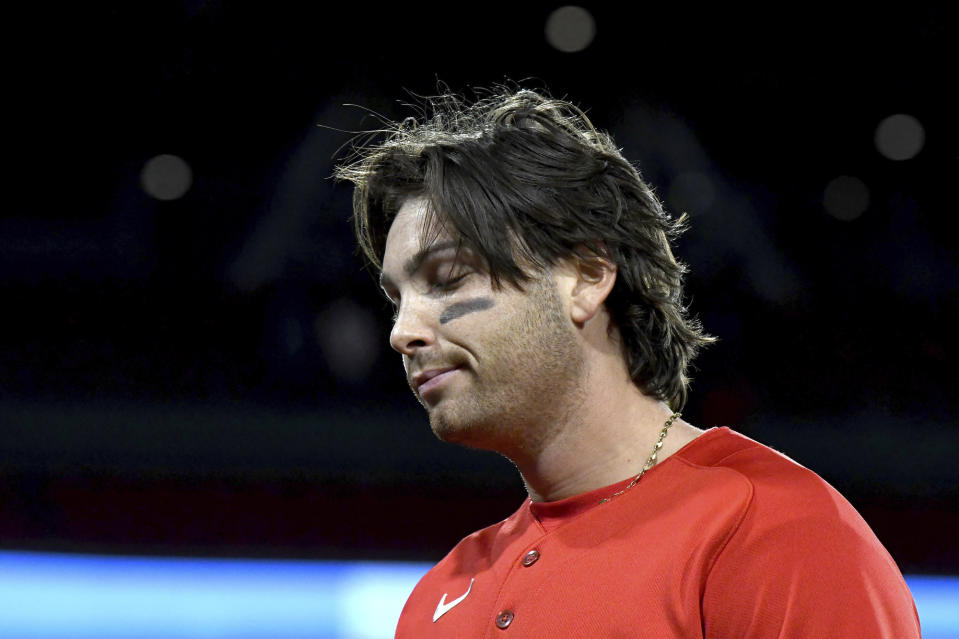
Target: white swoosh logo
442, 607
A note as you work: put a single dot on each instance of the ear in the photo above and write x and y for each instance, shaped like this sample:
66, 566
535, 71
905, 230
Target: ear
594, 279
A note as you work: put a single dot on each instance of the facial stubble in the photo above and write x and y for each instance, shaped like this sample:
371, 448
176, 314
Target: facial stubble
528, 380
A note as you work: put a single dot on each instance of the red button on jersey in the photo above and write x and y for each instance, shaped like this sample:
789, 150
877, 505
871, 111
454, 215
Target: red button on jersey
531, 558
504, 619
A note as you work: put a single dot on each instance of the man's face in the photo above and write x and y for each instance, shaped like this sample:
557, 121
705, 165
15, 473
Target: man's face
489, 365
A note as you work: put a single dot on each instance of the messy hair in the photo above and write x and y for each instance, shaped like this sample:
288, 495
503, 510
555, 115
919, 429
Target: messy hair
526, 180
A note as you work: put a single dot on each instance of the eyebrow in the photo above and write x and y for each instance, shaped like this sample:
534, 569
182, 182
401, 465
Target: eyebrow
414, 263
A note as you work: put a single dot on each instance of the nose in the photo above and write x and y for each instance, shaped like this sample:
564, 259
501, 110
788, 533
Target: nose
412, 330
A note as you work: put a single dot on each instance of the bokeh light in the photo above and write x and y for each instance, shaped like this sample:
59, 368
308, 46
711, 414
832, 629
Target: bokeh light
570, 29
166, 177
846, 198
349, 339
900, 137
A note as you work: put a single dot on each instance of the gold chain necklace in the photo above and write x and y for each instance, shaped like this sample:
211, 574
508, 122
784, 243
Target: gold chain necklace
649, 462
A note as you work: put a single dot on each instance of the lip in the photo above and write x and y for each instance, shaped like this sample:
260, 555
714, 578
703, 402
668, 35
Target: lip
429, 379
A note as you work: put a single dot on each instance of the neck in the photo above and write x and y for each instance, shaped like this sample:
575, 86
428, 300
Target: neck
583, 459
606, 435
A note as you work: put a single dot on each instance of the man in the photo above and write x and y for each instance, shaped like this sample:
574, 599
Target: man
539, 313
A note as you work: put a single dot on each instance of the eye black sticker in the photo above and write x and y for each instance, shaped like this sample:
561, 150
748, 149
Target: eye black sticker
459, 309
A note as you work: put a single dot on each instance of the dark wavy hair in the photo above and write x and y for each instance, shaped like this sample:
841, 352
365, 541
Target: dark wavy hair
526, 181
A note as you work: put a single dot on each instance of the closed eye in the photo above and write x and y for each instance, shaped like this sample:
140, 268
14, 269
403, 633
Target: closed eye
450, 283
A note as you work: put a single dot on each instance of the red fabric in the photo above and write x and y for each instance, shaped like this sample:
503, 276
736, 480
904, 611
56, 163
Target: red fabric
726, 539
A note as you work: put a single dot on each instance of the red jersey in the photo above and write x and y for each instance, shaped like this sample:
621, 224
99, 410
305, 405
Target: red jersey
725, 539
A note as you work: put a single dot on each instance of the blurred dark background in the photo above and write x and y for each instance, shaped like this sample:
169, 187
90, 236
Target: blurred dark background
193, 360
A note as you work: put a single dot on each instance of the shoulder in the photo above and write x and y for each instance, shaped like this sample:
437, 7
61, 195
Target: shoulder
784, 509
800, 555
774, 486
784, 503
